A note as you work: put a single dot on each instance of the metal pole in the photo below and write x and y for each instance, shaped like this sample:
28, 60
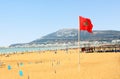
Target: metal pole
79, 42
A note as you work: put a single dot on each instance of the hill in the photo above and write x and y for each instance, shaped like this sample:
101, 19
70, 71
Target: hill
71, 35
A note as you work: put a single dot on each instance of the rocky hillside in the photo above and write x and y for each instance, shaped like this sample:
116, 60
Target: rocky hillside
71, 35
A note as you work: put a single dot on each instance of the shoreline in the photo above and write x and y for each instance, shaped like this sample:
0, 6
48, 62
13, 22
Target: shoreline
30, 49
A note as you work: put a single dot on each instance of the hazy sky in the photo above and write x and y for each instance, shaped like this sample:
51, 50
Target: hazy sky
26, 20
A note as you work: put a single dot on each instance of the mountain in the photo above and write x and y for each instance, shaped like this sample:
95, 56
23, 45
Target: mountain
71, 35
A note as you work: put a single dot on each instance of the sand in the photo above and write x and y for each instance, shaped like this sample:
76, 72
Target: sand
62, 65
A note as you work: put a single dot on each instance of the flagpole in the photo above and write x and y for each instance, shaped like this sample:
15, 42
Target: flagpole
83, 24
78, 43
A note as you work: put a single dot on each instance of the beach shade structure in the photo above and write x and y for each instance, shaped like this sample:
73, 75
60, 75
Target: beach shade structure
28, 77
21, 64
2, 64
21, 73
29, 62
9, 67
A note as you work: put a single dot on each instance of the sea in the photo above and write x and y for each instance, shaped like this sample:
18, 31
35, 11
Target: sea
30, 49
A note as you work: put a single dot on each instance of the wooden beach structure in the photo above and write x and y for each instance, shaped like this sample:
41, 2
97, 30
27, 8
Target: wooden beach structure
102, 48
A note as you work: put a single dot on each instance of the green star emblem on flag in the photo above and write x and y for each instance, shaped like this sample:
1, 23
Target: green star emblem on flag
85, 23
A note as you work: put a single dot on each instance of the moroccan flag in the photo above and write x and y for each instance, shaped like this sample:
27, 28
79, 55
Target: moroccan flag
85, 24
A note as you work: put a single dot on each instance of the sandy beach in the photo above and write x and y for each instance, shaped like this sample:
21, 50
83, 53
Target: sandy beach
60, 65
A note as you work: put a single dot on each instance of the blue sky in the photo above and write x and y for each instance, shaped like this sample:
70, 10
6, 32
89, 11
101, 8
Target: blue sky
23, 21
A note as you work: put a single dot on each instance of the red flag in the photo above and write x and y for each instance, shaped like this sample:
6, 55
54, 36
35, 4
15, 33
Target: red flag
85, 24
